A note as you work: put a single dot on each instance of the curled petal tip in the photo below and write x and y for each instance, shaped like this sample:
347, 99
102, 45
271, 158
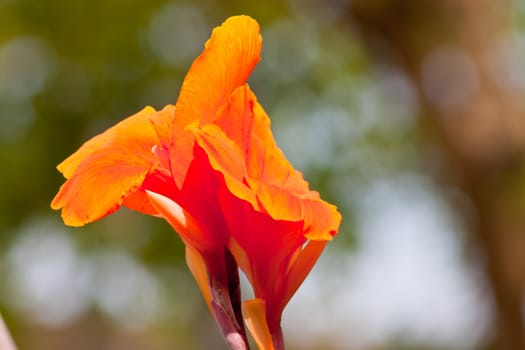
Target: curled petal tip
183, 222
167, 207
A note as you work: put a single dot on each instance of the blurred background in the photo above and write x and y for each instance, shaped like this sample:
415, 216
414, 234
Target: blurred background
407, 114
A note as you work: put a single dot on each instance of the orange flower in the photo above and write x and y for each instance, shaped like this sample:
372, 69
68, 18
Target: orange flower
211, 168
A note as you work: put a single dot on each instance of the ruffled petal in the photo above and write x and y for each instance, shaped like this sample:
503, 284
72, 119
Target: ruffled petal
246, 123
241, 146
70, 164
98, 188
266, 161
109, 168
321, 219
225, 157
228, 59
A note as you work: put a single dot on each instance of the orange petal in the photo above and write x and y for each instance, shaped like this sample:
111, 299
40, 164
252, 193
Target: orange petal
108, 168
254, 312
162, 122
225, 156
228, 59
139, 202
235, 118
241, 258
321, 219
246, 123
266, 161
105, 170
300, 267
241, 146
260, 164
98, 188
197, 267
222, 152
281, 189
101, 141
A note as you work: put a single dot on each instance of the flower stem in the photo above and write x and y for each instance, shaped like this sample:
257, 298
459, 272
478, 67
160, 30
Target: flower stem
278, 339
6, 343
234, 288
226, 304
232, 335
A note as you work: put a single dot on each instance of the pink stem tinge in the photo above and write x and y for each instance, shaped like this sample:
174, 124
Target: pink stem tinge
6, 343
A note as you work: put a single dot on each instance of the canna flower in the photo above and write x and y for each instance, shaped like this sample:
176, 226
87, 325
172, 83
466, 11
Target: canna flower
210, 166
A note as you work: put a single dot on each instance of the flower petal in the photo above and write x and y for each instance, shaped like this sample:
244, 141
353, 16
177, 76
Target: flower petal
241, 146
228, 59
109, 168
254, 312
300, 267
98, 189
183, 223
225, 157
197, 267
70, 164
321, 219
262, 247
246, 123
